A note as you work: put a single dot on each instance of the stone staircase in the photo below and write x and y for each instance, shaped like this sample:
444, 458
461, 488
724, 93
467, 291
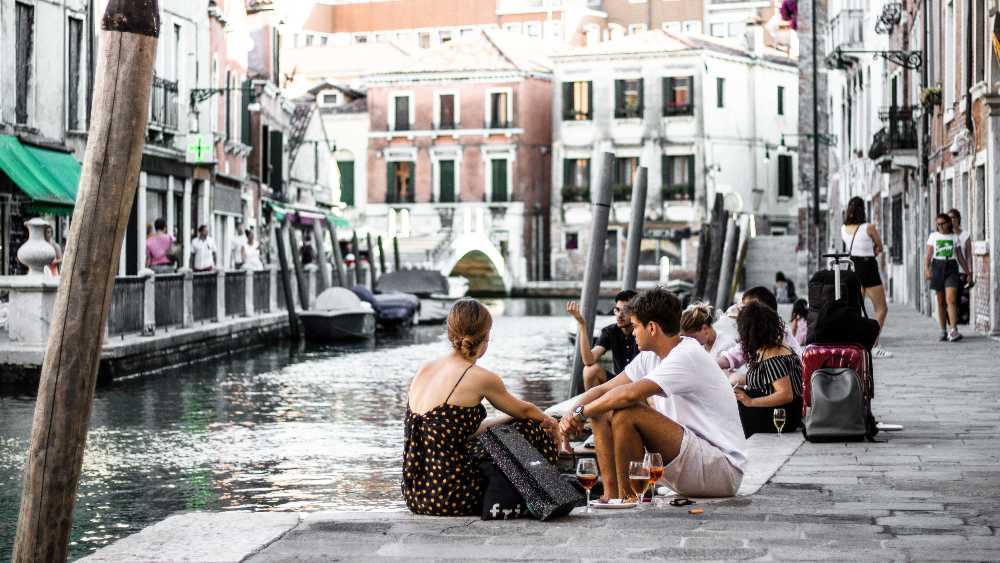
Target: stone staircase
767, 255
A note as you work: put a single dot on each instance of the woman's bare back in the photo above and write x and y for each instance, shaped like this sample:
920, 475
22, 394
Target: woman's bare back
437, 379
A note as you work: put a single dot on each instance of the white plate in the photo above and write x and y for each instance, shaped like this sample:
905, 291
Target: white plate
609, 505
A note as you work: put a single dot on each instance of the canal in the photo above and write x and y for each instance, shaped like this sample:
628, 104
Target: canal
271, 429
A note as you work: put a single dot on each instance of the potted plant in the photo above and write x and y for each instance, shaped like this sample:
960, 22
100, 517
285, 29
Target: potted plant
930, 96
790, 13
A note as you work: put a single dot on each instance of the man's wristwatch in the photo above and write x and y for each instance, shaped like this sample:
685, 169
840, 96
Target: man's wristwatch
578, 413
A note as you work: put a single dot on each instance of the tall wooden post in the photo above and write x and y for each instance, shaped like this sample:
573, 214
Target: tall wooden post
396, 260
381, 255
374, 273
338, 259
286, 287
300, 276
108, 183
635, 227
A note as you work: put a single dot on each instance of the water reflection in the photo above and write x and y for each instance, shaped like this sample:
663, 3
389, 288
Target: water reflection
316, 428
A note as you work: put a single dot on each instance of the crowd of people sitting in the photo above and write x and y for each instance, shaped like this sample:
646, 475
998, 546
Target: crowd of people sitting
678, 387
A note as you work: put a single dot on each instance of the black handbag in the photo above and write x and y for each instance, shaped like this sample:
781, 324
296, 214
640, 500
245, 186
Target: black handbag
545, 492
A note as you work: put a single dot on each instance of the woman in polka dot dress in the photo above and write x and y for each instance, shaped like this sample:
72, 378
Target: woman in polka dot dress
445, 411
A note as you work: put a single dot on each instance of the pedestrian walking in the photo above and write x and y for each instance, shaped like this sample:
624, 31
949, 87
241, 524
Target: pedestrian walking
236, 246
968, 279
203, 251
250, 254
864, 245
944, 263
784, 288
158, 248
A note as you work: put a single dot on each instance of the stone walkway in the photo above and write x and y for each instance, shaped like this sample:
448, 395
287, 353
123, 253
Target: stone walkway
930, 492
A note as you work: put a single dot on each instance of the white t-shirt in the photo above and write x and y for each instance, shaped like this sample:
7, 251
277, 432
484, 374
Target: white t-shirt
203, 250
695, 394
944, 246
722, 343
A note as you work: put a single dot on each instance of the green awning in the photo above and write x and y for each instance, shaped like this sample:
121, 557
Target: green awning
50, 178
338, 221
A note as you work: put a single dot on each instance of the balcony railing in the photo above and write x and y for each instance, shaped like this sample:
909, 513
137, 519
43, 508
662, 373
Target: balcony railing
163, 103
845, 30
899, 133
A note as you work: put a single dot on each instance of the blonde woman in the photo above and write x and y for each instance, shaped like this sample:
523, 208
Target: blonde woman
445, 410
697, 322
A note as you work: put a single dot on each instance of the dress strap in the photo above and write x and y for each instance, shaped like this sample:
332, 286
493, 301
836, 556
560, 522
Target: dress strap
457, 382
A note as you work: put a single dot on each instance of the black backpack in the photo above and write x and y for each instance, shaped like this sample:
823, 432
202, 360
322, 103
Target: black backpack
822, 291
841, 322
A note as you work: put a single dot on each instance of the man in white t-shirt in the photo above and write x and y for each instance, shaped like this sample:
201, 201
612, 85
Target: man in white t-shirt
203, 252
695, 425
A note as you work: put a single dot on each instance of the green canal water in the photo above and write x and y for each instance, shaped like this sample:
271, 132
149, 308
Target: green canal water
271, 429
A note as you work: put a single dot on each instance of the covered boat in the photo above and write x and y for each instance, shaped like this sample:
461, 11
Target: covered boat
436, 292
338, 315
391, 309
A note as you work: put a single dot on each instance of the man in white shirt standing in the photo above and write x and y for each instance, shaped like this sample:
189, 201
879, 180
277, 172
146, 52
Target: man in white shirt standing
695, 426
203, 251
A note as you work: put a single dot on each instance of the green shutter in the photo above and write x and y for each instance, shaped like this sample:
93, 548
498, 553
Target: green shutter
276, 146
785, 185
446, 188
346, 168
390, 182
691, 175
590, 99
569, 166
690, 110
567, 98
245, 114
665, 175
410, 192
642, 96
619, 98
499, 178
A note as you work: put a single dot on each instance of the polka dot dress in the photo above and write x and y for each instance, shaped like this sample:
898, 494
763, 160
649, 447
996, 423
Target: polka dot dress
441, 459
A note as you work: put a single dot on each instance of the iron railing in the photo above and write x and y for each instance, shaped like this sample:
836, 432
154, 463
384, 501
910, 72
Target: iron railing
262, 291
127, 305
163, 103
236, 293
169, 307
899, 133
205, 291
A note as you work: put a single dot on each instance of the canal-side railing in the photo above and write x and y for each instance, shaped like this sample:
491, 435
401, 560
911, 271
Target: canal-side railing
262, 291
169, 297
206, 296
127, 305
236, 293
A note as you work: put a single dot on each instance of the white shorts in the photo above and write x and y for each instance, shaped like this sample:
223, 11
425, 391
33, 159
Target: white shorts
702, 470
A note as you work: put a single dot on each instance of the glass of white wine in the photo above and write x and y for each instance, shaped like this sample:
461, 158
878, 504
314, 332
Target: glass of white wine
638, 478
586, 474
779, 420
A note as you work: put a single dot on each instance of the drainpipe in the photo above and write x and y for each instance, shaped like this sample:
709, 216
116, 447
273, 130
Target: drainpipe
91, 60
815, 112
970, 27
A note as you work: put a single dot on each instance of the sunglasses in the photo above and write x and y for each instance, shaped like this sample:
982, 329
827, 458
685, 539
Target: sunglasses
681, 501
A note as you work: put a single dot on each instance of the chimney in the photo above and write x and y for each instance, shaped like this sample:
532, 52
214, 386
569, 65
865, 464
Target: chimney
754, 37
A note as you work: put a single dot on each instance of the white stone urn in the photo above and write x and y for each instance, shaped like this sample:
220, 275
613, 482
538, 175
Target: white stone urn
36, 253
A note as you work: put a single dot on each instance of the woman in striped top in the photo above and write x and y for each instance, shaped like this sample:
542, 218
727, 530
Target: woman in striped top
774, 372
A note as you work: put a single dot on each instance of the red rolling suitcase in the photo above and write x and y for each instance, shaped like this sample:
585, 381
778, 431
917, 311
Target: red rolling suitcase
843, 411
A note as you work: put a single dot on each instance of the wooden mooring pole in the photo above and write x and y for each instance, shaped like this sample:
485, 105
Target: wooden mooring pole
110, 176
286, 287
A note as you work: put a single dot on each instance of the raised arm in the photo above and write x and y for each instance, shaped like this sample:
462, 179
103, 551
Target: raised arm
588, 354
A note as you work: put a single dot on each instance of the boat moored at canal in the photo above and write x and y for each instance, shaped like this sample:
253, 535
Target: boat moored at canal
338, 315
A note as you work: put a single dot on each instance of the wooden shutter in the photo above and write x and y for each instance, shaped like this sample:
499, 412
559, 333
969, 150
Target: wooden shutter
499, 177
590, 99
390, 182
569, 108
690, 175
276, 145
25, 42
569, 172
346, 168
446, 187
245, 114
690, 108
619, 98
229, 105
785, 185
642, 94
410, 193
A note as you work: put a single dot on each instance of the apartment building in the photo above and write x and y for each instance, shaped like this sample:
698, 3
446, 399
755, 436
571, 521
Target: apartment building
704, 115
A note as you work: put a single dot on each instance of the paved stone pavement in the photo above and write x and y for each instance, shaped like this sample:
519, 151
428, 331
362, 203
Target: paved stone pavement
930, 492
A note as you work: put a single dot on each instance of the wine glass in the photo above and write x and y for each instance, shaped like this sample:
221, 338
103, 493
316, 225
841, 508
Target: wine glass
586, 474
779, 420
654, 462
638, 478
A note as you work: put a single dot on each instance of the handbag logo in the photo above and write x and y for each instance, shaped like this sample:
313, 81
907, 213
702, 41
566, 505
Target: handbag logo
508, 513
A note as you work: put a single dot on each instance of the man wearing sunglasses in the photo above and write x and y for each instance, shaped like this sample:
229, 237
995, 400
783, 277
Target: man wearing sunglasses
616, 337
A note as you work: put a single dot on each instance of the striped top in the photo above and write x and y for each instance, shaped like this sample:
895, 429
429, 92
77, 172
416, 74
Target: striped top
762, 375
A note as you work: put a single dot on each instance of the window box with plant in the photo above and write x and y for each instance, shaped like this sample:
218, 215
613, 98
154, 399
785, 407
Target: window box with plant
930, 97
678, 178
678, 95
628, 98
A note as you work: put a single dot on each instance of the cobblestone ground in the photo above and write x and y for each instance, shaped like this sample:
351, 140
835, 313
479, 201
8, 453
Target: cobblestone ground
930, 492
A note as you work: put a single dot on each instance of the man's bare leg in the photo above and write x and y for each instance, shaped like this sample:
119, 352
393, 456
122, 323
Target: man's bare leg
640, 428
604, 441
593, 376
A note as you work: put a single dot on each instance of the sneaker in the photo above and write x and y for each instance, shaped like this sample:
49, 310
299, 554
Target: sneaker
880, 352
954, 336
944, 336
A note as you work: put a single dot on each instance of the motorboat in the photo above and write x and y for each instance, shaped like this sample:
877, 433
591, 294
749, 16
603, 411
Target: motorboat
392, 309
339, 314
436, 292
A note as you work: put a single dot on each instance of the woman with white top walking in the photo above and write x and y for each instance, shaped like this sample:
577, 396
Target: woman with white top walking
864, 244
944, 258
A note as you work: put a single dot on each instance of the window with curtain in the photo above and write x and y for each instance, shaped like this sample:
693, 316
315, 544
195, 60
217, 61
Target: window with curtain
678, 178
678, 95
446, 117
625, 170
400, 182
499, 115
576, 179
576, 101
628, 98
401, 111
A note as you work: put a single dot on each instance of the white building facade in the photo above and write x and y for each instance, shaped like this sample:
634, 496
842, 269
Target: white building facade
705, 116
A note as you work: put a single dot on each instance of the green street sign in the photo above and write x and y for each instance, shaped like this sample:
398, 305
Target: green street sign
199, 148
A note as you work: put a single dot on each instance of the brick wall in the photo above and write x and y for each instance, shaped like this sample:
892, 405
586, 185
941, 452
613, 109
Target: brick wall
981, 294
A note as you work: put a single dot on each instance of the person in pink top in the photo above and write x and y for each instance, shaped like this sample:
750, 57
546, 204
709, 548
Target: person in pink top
799, 323
158, 249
